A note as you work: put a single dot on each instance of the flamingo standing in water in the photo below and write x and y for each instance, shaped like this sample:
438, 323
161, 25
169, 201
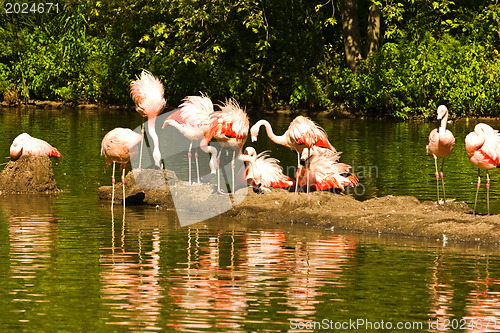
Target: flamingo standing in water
118, 145
301, 133
483, 149
229, 126
193, 121
262, 171
324, 170
441, 143
147, 94
25, 144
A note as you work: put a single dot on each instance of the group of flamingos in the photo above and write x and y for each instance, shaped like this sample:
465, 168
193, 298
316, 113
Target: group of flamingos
317, 160
482, 147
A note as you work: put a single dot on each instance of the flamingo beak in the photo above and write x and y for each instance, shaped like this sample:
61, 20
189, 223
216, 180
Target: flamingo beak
257, 189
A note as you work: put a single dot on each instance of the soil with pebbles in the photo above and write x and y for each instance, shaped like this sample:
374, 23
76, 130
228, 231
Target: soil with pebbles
397, 215
28, 174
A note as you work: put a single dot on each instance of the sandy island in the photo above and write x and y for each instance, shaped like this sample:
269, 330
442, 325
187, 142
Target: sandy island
396, 215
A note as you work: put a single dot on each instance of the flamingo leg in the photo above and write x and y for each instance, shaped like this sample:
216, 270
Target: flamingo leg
197, 167
113, 186
308, 164
437, 177
189, 158
442, 181
123, 188
142, 142
298, 167
218, 173
488, 191
477, 190
232, 171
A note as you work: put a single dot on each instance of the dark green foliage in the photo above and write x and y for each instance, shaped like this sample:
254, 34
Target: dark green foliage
265, 54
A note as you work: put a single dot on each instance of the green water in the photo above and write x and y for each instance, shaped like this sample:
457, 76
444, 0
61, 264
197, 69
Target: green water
67, 264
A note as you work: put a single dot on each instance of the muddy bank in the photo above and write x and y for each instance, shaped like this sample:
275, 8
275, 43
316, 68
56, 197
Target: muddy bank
28, 174
403, 215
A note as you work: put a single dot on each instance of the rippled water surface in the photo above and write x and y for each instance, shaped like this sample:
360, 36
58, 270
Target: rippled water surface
69, 264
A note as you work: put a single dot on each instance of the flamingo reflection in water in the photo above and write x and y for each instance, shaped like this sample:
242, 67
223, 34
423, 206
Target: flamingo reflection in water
205, 286
482, 309
131, 282
317, 264
441, 292
32, 237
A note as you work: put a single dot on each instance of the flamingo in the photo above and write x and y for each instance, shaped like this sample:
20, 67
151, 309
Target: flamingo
324, 170
483, 149
263, 171
301, 133
25, 144
229, 126
117, 147
147, 94
441, 143
193, 121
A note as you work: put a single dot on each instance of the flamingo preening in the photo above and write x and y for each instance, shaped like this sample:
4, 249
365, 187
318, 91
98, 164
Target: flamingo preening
229, 127
118, 146
147, 94
483, 149
302, 133
193, 121
441, 143
324, 170
25, 144
262, 171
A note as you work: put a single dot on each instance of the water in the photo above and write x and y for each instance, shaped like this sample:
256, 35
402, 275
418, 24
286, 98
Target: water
68, 264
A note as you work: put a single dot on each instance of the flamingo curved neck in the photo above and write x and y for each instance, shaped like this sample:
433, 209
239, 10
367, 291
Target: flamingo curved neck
278, 139
442, 127
156, 143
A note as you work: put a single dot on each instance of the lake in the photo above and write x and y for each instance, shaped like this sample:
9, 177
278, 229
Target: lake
68, 263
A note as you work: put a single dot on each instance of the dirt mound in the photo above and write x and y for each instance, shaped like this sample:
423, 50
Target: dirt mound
28, 174
162, 188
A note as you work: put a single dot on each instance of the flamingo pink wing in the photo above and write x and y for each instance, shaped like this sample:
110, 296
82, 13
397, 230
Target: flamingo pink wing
491, 147
272, 173
194, 111
37, 147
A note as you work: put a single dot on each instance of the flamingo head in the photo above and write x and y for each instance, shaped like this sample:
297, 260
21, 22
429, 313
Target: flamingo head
167, 122
250, 151
214, 161
157, 157
254, 132
16, 149
442, 111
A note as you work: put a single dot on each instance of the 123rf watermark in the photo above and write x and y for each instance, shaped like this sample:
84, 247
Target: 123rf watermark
364, 324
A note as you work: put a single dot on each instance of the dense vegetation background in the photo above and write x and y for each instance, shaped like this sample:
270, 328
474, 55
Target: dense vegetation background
394, 57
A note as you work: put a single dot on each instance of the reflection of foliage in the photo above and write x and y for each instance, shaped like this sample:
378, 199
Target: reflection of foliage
263, 53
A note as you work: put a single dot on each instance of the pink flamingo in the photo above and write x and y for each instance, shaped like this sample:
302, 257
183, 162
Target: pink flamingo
483, 149
118, 146
25, 144
325, 171
441, 143
147, 94
301, 133
229, 126
193, 121
263, 171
